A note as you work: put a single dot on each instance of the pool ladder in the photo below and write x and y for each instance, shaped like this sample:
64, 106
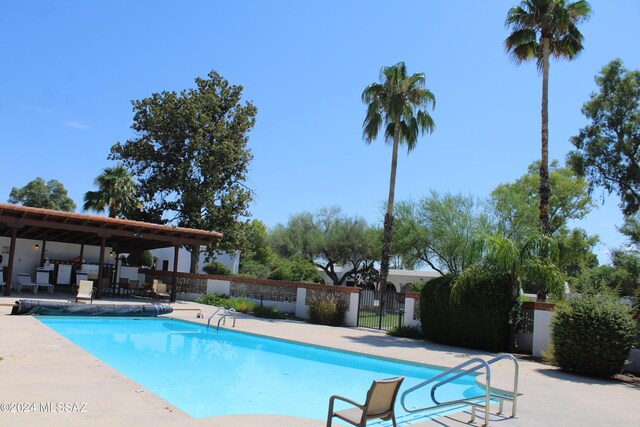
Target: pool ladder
463, 369
225, 313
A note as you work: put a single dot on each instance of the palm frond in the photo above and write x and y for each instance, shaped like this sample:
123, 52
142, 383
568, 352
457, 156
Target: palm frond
372, 122
555, 20
398, 95
522, 45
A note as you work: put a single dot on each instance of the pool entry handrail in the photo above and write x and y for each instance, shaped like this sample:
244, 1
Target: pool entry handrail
211, 317
222, 318
471, 365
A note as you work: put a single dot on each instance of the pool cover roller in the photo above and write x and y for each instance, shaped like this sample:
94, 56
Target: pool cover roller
52, 308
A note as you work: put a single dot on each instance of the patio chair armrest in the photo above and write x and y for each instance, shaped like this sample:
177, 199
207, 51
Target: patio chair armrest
344, 399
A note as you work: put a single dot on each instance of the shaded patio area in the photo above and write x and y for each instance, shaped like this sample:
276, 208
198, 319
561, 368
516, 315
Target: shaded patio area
123, 236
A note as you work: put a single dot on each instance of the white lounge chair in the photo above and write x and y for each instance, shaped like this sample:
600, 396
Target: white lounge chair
80, 275
380, 402
85, 290
47, 285
24, 279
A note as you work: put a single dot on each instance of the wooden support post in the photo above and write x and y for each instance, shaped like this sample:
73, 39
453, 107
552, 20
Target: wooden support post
9, 270
103, 244
44, 249
174, 276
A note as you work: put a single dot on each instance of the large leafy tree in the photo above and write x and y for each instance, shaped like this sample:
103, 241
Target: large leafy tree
115, 194
622, 276
331, 240
575, 249
190, 158
608, 149
541, 29
515, 205
41, 194
400, 103
441, 231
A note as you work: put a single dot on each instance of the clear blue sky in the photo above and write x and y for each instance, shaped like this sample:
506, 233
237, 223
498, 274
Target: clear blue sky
70, 69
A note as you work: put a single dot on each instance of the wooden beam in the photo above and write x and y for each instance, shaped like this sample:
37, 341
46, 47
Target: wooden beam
12, 253
174, 276
44, 245
103, 244
101, 231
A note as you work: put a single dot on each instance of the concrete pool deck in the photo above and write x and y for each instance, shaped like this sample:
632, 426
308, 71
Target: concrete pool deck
40, 368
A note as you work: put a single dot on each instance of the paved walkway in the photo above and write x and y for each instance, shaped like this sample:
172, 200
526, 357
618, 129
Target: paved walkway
40, 366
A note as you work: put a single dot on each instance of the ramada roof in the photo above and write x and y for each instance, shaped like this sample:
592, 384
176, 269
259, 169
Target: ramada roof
122, 235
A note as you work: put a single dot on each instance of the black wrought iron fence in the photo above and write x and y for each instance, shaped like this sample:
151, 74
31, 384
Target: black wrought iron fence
380, 309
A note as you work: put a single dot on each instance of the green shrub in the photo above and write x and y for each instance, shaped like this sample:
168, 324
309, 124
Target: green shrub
406, 332
242, 305
217, 268
212, 298
140, 258
281, 272
268, 312
480, 318
295, 270
592, 334
254, 269
416, 287
327, 308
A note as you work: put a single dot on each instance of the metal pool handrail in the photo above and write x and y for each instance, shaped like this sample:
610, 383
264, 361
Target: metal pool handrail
214, 313
476, 364
224, 316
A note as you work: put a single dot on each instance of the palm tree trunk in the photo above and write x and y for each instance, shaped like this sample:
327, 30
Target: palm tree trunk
388, 217
545, 187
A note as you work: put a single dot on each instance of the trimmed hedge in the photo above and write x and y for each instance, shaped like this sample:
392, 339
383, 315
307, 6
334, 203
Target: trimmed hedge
480, 320
217, 268
592, 335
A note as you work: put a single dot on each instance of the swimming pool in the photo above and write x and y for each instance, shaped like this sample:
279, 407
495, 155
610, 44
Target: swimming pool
207, 373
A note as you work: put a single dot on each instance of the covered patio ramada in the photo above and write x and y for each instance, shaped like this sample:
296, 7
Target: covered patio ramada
121, 235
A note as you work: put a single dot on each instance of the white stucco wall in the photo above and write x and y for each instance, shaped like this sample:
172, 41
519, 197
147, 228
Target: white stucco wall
541, 331
302, 310
409, 307
184, 259
351, 318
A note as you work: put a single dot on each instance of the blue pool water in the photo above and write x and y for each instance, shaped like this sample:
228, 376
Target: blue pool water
207, 373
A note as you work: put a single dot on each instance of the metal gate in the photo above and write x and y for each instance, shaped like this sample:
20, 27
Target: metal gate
380, 309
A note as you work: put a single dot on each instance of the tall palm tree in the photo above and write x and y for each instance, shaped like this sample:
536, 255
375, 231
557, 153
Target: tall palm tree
115, 194
542, 28
400, 103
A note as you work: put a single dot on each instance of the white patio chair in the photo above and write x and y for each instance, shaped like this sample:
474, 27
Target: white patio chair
49, 286
85, 290
24, 279
80, 275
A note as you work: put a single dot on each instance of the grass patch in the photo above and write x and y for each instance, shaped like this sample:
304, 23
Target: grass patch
406, 332
371, 319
